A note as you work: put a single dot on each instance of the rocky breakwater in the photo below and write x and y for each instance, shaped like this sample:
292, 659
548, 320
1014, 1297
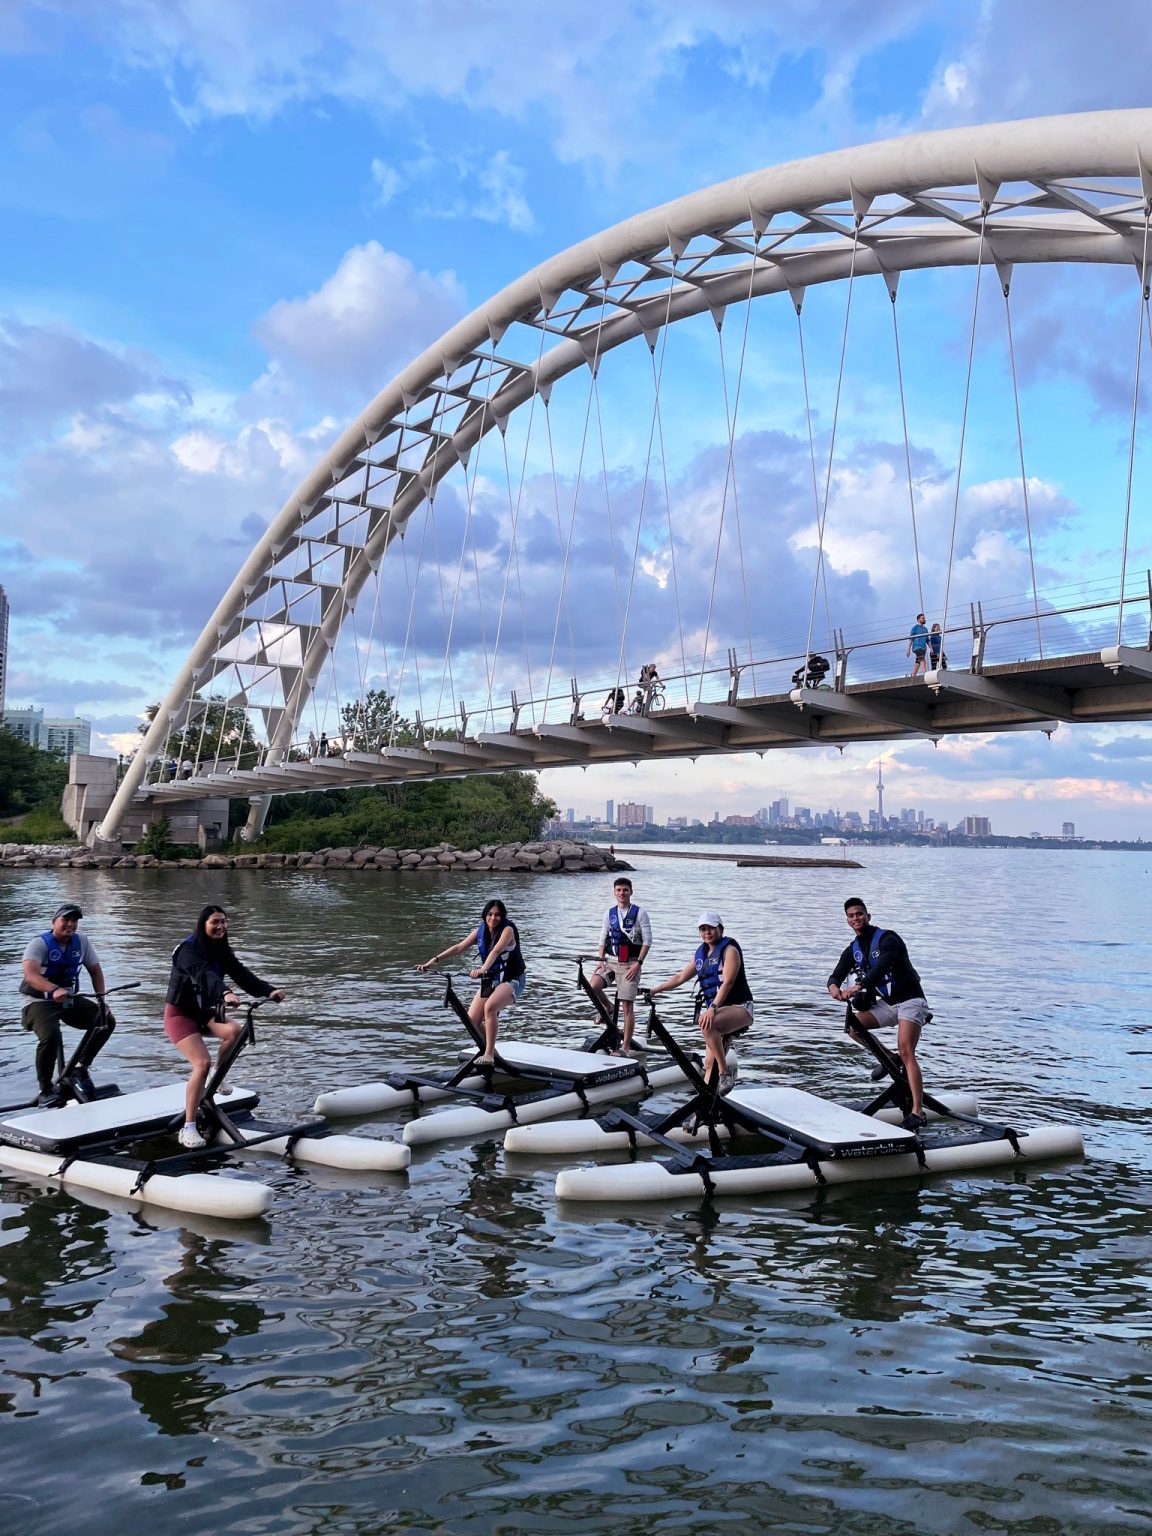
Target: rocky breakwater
540, 858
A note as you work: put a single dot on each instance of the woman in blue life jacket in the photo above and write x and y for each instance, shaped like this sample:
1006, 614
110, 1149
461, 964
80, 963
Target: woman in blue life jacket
500, 972
195, 1002
726, 998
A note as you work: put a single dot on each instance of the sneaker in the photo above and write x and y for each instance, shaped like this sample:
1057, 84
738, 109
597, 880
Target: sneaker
84, 1084
879, 1072
914, 1122
191, 1138
726, 1084
48, 1098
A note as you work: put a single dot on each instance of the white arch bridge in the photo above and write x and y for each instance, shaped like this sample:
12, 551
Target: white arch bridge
438, 598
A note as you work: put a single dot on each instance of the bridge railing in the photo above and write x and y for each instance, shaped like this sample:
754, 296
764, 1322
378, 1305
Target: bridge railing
988, 636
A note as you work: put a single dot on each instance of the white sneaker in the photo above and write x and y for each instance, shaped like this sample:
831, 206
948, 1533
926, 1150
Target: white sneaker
726, 1084
191, 1138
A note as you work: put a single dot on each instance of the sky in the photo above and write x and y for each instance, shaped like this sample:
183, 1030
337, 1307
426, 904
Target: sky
226, 224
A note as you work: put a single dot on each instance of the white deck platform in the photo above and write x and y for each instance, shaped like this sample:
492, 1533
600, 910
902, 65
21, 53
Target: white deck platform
820, 1119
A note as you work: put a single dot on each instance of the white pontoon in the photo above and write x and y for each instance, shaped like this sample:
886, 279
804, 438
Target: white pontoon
785, 1139
99, 1139
524, 1083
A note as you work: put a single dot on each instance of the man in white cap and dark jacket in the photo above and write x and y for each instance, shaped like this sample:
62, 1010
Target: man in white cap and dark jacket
52, 965
725, 996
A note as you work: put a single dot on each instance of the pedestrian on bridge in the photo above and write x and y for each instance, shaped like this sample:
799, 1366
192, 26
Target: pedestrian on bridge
918, 644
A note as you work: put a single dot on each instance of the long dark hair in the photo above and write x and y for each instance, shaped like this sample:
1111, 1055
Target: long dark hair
216, 949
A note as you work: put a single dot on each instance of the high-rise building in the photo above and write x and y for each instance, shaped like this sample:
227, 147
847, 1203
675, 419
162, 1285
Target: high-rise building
3, 645
610, 813
631, 814
569, 815
649, 816
48, 733
976, 826
1068, 829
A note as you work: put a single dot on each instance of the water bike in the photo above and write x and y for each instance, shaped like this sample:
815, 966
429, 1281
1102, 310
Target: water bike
787, 1138
101, 1139
523, 1083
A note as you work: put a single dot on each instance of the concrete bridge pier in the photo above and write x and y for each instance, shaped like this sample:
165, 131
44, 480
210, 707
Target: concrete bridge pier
91, 789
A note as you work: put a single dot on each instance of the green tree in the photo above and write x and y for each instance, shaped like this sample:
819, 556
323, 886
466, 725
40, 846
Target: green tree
220, 731
29, 778
372, 722
489, 808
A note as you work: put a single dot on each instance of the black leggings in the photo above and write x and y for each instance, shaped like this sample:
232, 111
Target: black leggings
44, 1020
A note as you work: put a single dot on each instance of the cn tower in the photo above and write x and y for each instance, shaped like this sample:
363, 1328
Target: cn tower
880, 792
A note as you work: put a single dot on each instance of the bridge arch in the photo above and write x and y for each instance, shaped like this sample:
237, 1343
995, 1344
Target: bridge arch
1062, 189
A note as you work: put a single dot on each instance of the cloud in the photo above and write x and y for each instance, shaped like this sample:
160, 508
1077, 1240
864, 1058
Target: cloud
347, 338
595, 76
49, 373
1080, 59
387, 182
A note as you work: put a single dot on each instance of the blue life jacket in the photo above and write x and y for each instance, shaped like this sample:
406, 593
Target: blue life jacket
623, 935
863, 963
510, 965
62, 966
709, 973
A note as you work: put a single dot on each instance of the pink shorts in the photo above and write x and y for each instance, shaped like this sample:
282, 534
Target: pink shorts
178, 1026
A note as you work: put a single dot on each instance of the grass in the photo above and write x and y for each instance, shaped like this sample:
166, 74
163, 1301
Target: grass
39, 826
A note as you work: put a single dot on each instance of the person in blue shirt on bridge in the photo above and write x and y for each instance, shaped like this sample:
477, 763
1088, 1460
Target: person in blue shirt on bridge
918, 644
883, 990
625, 939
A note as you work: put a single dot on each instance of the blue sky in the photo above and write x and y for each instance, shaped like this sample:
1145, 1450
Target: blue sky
225, 224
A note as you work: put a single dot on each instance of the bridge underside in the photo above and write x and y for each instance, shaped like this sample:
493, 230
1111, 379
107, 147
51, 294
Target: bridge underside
1112, 687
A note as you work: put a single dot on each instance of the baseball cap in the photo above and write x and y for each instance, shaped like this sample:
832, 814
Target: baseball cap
69, 909
709, 920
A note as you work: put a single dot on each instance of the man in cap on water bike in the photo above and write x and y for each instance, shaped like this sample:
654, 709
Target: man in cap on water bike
883, 989
52, 964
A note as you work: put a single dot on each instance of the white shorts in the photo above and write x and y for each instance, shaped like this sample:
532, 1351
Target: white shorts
885, 1015
617, 971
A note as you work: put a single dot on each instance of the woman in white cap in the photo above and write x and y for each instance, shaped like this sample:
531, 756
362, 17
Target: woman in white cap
725, 996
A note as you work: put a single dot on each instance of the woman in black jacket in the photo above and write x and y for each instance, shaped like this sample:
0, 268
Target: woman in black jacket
196, 1000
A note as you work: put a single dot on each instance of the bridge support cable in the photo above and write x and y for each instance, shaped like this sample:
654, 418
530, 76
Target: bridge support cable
822, 509
514, 506
892, 283
1006, 285
605, 480
731, 411
410, 587
671, 546
985, 204
652, 336
566, 542
1135, 403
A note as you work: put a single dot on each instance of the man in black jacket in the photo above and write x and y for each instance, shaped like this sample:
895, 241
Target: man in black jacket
883, 989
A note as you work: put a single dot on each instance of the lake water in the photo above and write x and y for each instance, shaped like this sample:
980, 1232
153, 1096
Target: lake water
450, 1352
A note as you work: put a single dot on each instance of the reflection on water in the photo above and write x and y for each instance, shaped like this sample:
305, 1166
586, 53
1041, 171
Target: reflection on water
453, 1353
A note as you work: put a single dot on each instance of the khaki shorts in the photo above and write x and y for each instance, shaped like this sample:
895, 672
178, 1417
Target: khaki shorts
914, 1009
616, 971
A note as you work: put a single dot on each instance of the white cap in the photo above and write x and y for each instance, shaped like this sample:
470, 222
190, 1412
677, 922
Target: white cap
709, 920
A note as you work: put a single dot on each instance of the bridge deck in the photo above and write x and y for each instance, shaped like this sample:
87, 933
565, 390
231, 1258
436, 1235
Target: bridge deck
1091, 688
